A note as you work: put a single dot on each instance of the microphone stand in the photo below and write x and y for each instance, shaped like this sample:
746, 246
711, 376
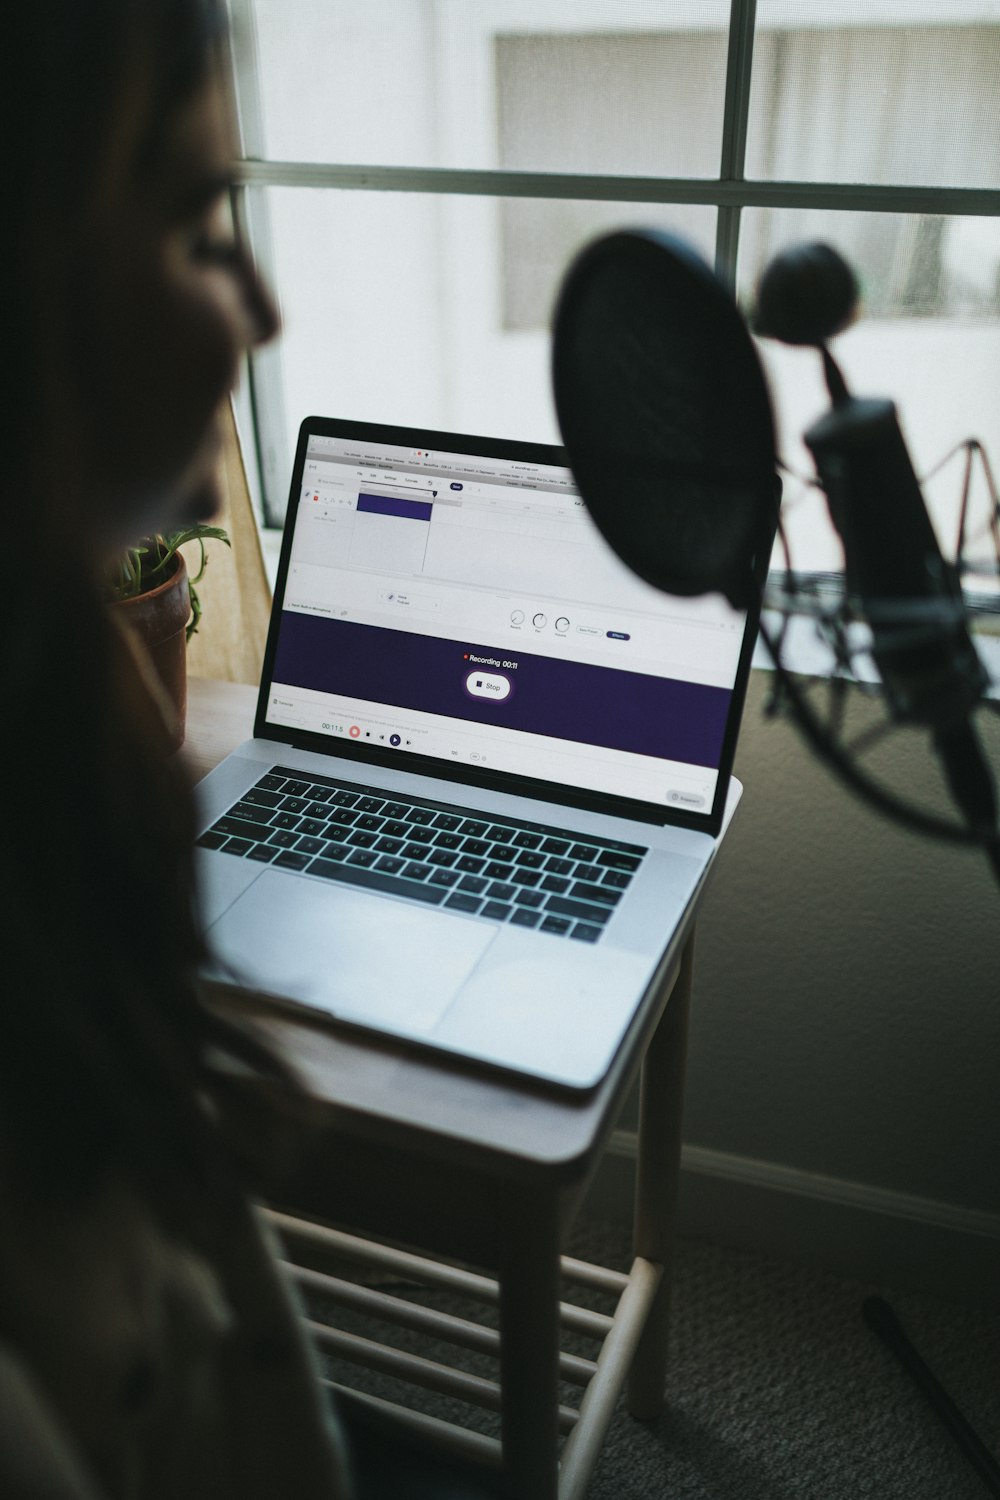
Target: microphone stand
898, 582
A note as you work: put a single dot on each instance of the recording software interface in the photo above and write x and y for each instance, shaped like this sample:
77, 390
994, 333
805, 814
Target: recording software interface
467, 609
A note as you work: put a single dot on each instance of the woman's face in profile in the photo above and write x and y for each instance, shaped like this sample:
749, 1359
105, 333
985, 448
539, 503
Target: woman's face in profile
168, 301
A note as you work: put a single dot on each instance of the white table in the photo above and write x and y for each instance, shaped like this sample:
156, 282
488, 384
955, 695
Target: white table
476, 1168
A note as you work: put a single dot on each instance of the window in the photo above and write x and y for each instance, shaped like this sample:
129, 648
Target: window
419, 172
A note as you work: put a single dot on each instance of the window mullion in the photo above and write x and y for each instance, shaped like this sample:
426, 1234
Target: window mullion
736, 113
265, 376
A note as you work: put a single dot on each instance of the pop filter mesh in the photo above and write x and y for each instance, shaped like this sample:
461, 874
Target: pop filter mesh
665, 415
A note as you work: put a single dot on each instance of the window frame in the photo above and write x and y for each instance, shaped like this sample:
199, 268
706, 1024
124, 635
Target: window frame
729, 192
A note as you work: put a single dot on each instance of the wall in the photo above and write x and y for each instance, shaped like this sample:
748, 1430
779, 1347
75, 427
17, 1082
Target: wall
842, 1100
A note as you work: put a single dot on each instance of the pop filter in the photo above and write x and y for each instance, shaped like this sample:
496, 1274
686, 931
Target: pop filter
665, 416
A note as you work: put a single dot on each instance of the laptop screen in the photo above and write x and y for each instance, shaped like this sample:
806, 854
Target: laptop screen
449, 599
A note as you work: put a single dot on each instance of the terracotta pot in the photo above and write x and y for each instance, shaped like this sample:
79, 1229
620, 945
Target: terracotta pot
159, 619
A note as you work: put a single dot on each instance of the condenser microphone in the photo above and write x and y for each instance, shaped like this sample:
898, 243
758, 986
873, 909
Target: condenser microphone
896, 577
667, 423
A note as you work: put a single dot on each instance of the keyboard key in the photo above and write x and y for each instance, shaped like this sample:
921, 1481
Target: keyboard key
344, 799
375, 880
556, 883
500, 891
262, 798
211, 840
296, 788
458, 901
530, 859
444, 877
238, 846
251, 812
293, 804
271, 783
473, 829
474, 884
585, 933
363, 857
617, 879
500, 835
344, 816
413, 851
422, 815
522, 917
558, 925
314, 809
313, 826
262, 853
310, 845
504, 853
562, 906
413, 871
395, 829
335, 835
585, 852
534, 899
448, 841
320, 794
419, 834
395, 810
335, 851
468, 864
447, 821
476, 847
285, 820
527, 840
283, 838
557, 866
388, 846
390, 863
587, 872
524, 877
582, 890
612, 860
496, 911
443, 857
496, 871
291, 859
370, 804
555, 846
369, 821
360, 839
239, 828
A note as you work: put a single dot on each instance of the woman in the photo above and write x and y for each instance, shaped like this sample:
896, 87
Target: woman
146, 1344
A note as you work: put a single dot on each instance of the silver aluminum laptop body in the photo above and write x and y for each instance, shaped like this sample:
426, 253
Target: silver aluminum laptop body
456, 656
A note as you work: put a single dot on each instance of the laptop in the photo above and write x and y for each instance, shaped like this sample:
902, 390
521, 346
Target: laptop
489, 767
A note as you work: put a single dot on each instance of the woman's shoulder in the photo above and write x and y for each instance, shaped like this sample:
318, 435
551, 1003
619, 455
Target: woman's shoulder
37, 1456
174, 1354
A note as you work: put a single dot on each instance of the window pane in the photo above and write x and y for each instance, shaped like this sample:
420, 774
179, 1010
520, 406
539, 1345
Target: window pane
876, 91
629, 86
928, 339
393, 307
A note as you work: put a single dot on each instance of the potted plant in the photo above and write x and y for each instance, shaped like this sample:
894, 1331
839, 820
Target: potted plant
150, 582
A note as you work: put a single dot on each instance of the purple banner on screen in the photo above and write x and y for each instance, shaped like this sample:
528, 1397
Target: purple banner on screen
395, 505
567, 700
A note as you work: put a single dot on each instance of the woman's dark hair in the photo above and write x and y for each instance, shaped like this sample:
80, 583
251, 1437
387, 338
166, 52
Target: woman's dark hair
108, 1058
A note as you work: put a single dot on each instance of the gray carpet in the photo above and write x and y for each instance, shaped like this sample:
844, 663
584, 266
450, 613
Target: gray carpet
777, 1390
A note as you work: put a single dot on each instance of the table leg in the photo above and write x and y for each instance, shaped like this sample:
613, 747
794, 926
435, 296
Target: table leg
529, 1351
661, 1106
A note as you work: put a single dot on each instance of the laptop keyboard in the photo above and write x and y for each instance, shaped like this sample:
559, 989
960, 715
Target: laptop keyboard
502, 870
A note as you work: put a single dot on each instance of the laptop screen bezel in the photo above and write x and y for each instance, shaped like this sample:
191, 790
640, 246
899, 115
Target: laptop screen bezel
709, 821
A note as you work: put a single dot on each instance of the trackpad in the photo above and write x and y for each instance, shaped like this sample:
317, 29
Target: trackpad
363, 958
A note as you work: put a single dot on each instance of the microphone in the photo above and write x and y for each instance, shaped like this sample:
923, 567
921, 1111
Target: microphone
896, 577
